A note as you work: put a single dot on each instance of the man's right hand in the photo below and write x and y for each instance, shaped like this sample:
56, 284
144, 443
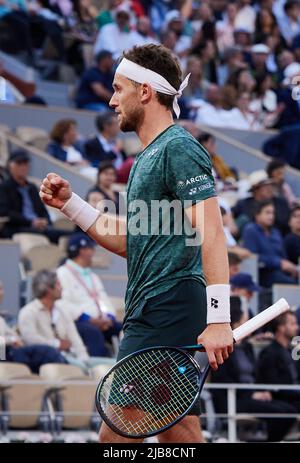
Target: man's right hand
55, 191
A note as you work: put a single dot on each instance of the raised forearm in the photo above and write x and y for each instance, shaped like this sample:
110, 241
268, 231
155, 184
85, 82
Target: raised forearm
110, 232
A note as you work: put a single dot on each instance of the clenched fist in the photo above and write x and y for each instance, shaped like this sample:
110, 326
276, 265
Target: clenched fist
55, 191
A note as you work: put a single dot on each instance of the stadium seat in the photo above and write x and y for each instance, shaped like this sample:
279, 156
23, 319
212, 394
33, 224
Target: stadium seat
72, 403
45, 255
33, 135
99, 371
21, 404
27, 241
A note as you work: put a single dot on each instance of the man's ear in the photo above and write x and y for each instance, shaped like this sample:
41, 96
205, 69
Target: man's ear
146, 93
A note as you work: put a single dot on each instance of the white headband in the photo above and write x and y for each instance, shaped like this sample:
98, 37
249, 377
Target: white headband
141, 75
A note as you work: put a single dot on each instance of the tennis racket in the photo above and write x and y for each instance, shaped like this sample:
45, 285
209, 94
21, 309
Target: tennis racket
150, 390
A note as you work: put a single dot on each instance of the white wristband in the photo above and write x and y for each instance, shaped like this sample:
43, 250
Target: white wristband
218, 303
80, 212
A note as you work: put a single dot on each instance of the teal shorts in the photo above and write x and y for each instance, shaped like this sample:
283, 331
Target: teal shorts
173, 318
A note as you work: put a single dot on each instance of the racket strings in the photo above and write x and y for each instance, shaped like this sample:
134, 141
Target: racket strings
163, 385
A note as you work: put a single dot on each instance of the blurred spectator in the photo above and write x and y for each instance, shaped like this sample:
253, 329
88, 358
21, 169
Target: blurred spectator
291, 112
225, 28
20, 202
284, 58
261, 238
234, 264
107, 177
221, 170
34, 356
242, 285
292, 239
276, 364
239, 81
242, 38
106, 15
82, 32
85, 298
276, 172
65, 146
246, 15
233, 61
47, 23
197, 83
259, 58
231, 243
241, 368
210, 111
95, 87
289, 23
44, 321
143, 33
116, 37
175, 22
207, 52
241, 117
104, 146
264, 103
285, 145
265, 24
13, 14
261, 188
168, 39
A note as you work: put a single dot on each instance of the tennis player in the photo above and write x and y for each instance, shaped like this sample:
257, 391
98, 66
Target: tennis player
178, 291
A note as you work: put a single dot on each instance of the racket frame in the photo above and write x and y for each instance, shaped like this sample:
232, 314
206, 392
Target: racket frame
202, 375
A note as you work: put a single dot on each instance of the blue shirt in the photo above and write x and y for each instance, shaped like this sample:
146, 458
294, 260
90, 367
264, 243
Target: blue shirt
28, 210
85, 94
269, 247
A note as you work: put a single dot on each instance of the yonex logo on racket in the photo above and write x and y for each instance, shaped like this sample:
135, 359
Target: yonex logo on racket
214, 303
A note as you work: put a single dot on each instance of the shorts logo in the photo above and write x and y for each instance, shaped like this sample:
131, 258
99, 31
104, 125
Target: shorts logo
214, 303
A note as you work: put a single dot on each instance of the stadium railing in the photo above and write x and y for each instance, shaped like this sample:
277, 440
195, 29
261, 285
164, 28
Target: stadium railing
232, 416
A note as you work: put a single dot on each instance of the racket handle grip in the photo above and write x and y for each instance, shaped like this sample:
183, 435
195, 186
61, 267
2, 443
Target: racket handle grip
261, 319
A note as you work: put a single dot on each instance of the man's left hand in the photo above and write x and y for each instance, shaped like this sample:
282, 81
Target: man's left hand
217, 339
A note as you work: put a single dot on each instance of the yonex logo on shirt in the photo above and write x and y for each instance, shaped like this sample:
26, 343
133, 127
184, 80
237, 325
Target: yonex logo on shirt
214, 303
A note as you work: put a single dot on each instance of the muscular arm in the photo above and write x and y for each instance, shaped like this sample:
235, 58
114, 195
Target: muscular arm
214, 251
110, 232
205, 217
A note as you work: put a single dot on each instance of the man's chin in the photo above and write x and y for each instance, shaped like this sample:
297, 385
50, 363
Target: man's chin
126, 127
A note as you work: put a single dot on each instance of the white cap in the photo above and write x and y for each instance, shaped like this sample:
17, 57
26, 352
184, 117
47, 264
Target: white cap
260, 48
258, 178
291, 71
172, 15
